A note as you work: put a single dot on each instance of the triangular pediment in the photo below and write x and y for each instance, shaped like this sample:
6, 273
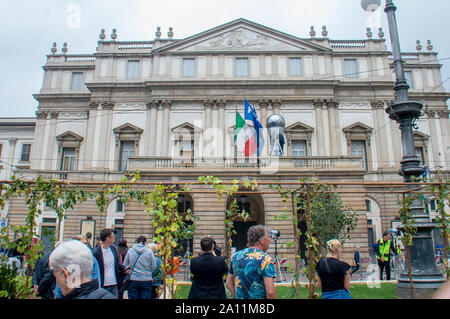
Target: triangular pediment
420, 135
299, 127
186, 126
69, 136
358, 127
127, 128
241, 35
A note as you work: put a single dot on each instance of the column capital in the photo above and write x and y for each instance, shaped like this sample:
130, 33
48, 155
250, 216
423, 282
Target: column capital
208, 103
276, 102
377, 104
42, 115
443, 114
152, 104
12, 140
318, 102
93, 105
108, 105
166, 104
54, 115
263, 103
331, 103
431, 113
221, 103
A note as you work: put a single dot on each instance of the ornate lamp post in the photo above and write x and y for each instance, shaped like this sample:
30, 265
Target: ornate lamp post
426, 277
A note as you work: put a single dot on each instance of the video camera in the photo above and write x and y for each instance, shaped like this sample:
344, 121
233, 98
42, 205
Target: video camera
274, 234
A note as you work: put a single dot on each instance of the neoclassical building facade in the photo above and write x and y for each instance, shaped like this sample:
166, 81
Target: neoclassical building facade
167, 107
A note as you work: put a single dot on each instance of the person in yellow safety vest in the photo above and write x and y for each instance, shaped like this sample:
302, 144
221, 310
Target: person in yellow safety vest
385, 246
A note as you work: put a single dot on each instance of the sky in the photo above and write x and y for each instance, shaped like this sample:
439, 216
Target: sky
29, 27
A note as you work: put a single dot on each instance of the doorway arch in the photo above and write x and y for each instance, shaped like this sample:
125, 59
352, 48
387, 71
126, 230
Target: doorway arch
253, 204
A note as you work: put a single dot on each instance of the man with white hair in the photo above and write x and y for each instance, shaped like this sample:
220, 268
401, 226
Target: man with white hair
71, 263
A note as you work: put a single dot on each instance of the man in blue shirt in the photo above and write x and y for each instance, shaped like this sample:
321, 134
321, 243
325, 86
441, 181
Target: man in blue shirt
252, 272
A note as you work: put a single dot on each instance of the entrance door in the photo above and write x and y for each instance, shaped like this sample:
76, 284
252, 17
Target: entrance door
302, 240
240, 238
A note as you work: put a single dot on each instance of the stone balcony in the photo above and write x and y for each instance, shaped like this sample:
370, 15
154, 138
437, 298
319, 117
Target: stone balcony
161, 165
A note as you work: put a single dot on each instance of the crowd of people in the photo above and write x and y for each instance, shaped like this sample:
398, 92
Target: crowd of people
76, 270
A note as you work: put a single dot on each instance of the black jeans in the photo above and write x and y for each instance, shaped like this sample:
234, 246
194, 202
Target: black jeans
385, 265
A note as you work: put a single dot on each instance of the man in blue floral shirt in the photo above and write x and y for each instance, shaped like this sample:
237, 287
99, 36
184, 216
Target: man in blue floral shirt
252, 272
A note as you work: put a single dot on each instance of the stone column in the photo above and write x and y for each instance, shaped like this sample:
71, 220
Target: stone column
150, 129
11, 160
50, 157
159, 129
222, 127
435, 136
276, 106
208, 124
166, 120
334, 127
319, 129
38, 145
90, 136
380, 136
107, 107
445, 131
263, 105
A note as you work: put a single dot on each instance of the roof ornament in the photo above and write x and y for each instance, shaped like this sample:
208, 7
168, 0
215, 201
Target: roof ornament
158, 32
312, 32
114, 35
54, 49
102, 35
324, 31
369, 33
418, 45
380, 33
170, 33
64, 48
429, 45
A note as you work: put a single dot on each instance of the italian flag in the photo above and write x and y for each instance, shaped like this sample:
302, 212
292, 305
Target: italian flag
244, 138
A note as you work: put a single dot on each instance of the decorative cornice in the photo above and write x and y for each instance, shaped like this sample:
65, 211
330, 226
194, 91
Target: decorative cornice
430, 113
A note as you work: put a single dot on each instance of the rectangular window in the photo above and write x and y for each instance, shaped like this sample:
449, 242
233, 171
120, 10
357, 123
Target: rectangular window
359, 149
409, 79
26, 149
189, 67
420, 154
295, 66
68, 159
126, 150
242, 67
351, 68
298, 148
187, 148
133, 69
119, 206
77, 81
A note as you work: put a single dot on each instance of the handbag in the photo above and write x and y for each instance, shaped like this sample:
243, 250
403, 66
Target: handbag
126, 280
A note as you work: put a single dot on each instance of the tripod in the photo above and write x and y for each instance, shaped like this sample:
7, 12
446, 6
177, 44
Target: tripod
278, 273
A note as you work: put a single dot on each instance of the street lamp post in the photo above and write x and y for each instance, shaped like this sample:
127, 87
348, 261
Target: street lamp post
426, 277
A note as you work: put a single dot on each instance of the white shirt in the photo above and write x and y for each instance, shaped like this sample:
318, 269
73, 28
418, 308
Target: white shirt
109, 266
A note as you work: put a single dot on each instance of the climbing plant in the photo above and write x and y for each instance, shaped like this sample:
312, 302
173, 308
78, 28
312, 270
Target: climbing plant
232, 212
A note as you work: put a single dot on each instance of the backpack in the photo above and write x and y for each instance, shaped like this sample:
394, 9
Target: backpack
375, 247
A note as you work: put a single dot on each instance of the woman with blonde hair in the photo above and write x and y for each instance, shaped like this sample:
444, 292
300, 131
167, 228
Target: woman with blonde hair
157, 273
333, 274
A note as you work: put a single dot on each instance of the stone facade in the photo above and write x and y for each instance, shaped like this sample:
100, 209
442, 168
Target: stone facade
167, 107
